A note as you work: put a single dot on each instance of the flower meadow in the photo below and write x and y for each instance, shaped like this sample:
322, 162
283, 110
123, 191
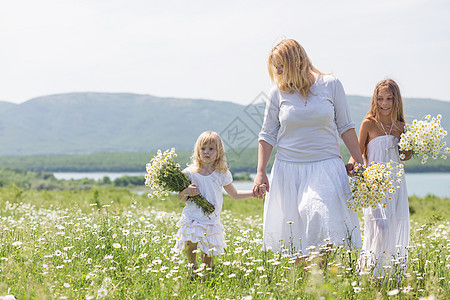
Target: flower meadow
113, 244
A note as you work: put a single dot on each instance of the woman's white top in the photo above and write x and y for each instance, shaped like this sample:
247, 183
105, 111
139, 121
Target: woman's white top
305, 130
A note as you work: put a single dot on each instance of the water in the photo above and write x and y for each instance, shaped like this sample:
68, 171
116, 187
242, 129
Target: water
93, 175
422, 184
419, 184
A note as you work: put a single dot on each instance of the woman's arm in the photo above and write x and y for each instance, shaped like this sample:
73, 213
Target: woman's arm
267, 138
344, 124
351, 142
264, 152
239, 195
363, 137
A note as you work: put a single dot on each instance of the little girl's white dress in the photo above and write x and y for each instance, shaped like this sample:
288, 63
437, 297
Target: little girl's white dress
386, 230
195, 226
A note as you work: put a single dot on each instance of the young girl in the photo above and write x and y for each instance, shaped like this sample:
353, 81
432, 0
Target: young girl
386, 230
208, 173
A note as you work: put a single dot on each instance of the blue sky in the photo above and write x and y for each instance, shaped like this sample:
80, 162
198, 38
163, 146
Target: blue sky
218, 49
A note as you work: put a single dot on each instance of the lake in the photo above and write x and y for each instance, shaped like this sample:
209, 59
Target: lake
419, 184
94, 175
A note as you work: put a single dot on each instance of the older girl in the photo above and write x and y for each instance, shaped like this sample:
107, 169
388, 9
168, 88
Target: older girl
386, 228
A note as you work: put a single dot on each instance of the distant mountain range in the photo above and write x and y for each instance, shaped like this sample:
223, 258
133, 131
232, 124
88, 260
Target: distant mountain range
78, 123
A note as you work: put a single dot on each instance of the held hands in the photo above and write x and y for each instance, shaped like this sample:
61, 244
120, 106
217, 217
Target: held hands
259, 191
261, 186
349, 168
262, 189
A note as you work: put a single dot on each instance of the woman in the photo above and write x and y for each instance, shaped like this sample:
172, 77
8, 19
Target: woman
306, 204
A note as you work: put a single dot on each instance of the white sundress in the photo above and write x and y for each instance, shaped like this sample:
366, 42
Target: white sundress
386, 230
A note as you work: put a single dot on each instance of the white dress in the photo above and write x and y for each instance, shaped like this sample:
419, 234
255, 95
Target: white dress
386, 230
306, 206
195, 226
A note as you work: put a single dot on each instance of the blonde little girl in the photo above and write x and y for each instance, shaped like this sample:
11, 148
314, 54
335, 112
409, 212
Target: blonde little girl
208, 173
386, 229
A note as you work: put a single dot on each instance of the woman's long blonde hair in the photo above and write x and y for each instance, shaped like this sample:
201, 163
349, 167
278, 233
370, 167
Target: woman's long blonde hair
397, 105
296, 68
211, 138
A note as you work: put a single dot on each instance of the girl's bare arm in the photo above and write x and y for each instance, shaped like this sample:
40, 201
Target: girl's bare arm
239, 195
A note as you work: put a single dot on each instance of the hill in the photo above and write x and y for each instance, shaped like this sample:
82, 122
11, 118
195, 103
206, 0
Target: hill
96, 122
80, 123
413, 108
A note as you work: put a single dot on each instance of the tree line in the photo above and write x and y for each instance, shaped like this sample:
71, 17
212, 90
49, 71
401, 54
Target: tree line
244, 160
29, 180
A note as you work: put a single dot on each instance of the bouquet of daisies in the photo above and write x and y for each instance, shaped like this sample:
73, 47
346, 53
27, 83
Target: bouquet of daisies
369, 184
164, 175
424, 138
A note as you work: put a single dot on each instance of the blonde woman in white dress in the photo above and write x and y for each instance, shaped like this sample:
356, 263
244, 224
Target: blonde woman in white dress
386, 228
308, 189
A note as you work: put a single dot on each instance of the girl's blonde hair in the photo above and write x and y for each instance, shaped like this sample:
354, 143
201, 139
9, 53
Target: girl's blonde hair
296, 68
209, 138
397, 105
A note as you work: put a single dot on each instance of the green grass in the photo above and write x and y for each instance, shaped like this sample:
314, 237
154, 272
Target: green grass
243, 161
61, 245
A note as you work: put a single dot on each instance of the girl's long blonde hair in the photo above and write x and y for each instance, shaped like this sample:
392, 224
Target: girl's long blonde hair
211, 138
296, 68
397, 105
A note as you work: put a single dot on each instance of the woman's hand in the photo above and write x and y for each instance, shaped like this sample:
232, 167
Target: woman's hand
349, 167
260, 179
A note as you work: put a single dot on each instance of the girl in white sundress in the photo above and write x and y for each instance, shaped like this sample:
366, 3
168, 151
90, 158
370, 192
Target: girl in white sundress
306, 202
208, 173
386, 229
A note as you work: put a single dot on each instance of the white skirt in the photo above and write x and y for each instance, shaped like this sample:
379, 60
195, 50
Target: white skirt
386, 237
307, 207
210, 237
